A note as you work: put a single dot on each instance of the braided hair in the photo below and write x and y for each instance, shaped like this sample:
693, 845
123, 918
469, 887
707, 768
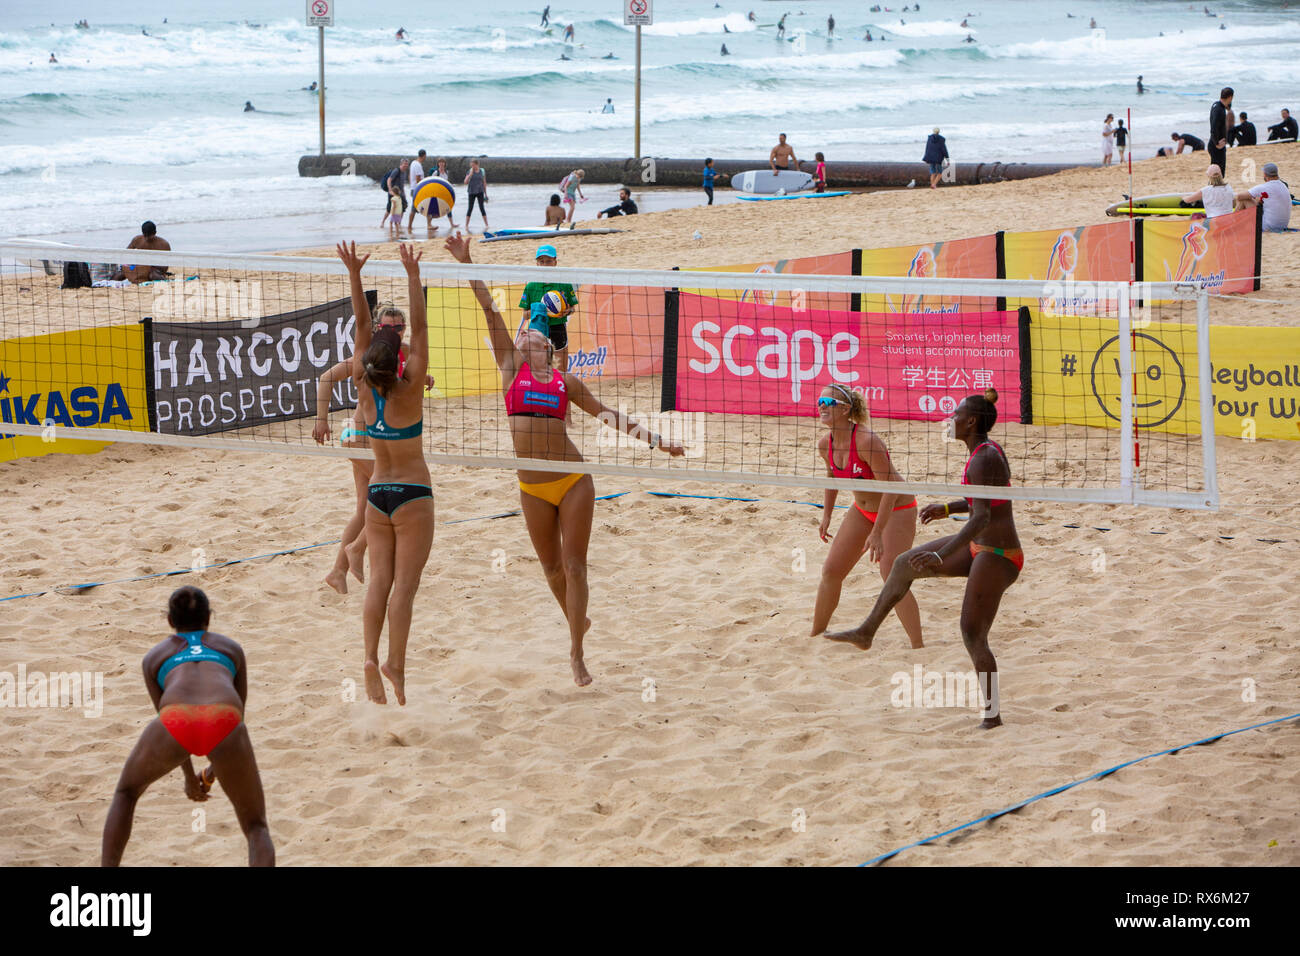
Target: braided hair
188, 609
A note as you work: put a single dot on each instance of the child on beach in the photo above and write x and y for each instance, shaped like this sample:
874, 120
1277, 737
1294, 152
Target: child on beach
819, 176
554, 328
709, 175
571, 187
554, 212
395, 217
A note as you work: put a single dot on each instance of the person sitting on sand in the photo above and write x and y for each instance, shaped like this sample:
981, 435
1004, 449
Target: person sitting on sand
625, 207
557, 509
399, 516
986, 551
1274, 195
147, 239
554, 212
1216, 197
198, 682
1285, 130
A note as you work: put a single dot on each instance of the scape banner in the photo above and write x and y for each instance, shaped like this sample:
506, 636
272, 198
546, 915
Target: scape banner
750, 359
93, 378
216, 376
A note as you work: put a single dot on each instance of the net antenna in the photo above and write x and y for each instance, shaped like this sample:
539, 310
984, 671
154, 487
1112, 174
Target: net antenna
226, 352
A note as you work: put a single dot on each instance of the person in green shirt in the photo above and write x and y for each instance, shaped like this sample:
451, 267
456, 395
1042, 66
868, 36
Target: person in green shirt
535, 315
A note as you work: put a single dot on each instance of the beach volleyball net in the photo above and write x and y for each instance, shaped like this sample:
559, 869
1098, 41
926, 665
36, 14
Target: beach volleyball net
1103, 390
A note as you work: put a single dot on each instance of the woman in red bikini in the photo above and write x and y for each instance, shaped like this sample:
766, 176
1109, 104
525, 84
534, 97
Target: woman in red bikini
878, 525
199, 685
558, 511
986, 551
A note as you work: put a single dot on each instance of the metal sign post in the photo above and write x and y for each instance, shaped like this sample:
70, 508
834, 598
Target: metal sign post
638, 13
320, 14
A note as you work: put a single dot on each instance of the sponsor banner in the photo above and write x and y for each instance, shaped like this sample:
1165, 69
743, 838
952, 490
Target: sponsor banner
1218, 253
750, 359
616, 331
975, 258
836, 264
93, 378
1255, 376
1067, 262
217, 376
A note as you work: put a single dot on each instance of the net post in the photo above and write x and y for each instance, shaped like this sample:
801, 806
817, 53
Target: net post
1259, 243
1126, 432
1204, 378
1026, 367
1000, 257
668, 380
855, 298
150, 395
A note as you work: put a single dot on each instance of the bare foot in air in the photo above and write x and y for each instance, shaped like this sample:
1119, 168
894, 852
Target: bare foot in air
338, 580
580, 675
374, 683
397, 678
356, 552
857, 637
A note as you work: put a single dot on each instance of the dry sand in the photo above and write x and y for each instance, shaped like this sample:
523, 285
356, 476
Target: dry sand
751, 721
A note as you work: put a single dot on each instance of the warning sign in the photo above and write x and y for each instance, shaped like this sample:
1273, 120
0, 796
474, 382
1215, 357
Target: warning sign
637, 13
320, 13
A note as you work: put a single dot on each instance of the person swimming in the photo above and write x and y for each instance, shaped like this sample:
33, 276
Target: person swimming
198, 682
248, 106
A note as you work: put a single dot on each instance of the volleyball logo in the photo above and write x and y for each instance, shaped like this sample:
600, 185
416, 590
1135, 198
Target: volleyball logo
434, 196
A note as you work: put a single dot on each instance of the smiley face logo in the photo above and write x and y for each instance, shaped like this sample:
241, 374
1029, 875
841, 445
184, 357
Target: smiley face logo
1161, 381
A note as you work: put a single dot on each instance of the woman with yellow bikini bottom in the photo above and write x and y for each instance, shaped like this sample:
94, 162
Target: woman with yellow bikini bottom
198, 683
558, 510
986, 551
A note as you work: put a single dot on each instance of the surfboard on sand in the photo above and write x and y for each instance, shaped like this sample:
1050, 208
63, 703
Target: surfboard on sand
763, 181
825, 195
1166, 204
504, 235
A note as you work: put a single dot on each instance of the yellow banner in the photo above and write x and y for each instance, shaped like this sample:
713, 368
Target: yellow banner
460, 353
93, 378
1255, 375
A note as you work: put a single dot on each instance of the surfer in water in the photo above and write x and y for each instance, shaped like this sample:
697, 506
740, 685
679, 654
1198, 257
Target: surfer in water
546, 16
725, 51
249, 107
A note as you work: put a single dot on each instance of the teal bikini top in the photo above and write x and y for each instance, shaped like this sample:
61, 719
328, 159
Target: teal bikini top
195, 650
385, 432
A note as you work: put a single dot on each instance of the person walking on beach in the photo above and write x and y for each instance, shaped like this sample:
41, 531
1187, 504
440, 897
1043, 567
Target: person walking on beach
392, 184
936, 154
1107, 140
571, 188
819, 174
1121, 139
782, 156
198, 683
416, 176
709, 175
1221, 122
476, 187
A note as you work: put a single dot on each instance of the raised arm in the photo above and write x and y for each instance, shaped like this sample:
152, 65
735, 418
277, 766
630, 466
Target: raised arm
360, 307
417, 360
581, 396
503, 347
337, 373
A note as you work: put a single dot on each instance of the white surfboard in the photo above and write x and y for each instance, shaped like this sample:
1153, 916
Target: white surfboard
762, 181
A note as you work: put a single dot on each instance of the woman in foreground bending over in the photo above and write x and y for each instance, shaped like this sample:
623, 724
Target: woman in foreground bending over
558, 511
986, 551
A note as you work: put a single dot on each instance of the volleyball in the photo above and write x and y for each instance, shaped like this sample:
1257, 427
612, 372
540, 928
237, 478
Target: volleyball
554, 305
434, 196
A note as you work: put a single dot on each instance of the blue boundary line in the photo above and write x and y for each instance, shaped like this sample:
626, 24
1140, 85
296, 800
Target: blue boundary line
1070, 786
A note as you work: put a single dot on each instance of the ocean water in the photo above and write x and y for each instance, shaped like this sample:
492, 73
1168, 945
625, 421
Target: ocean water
127, 126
